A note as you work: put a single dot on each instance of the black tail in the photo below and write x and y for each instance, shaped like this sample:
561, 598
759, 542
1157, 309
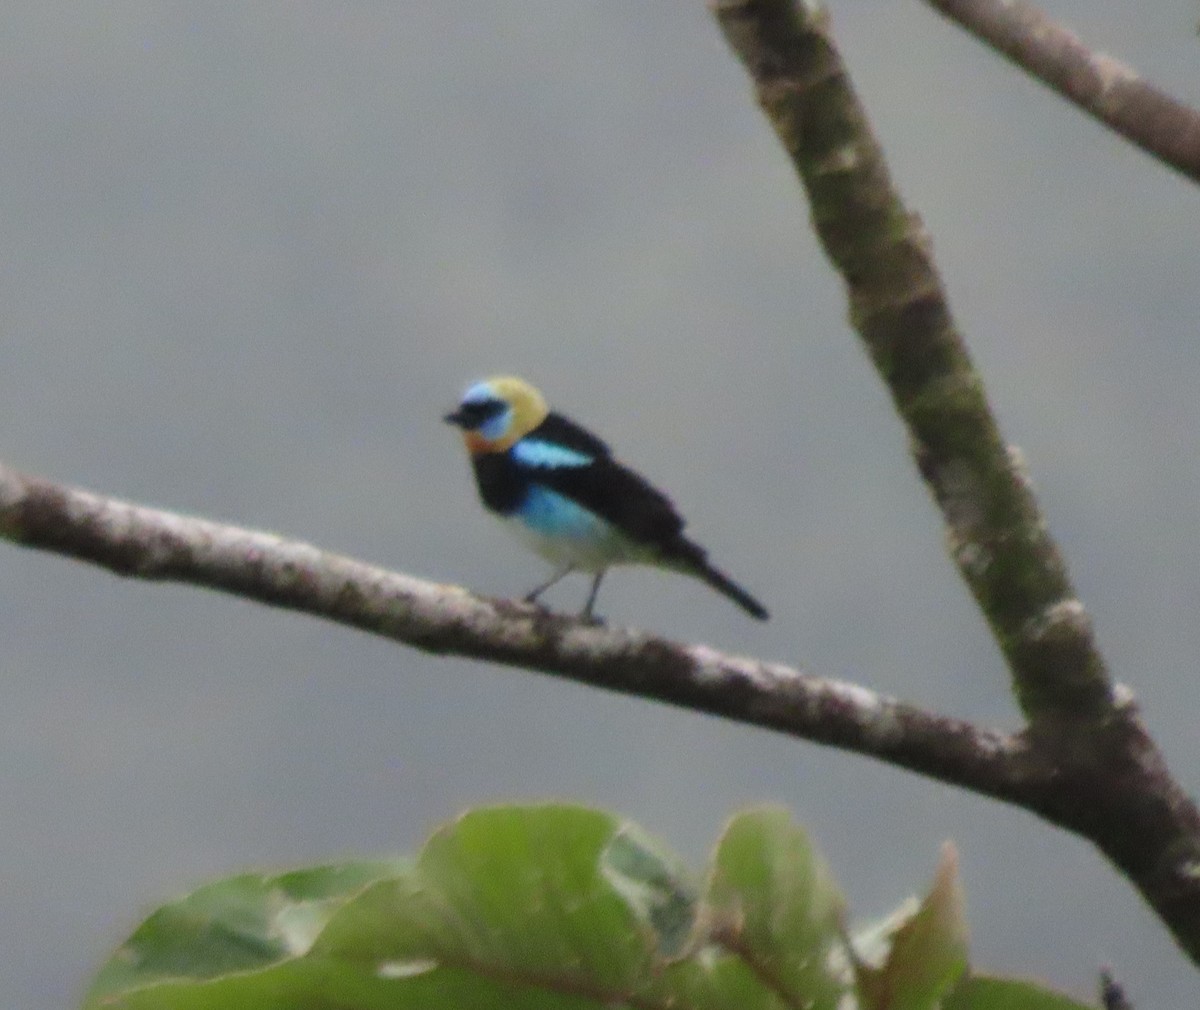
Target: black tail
692, 558
723, 584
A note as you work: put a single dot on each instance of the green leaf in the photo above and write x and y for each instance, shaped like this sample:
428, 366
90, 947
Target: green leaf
928, 953
654, 885
511, 892
772, 901
245, 924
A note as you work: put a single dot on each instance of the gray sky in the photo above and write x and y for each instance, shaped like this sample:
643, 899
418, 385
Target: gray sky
252, 252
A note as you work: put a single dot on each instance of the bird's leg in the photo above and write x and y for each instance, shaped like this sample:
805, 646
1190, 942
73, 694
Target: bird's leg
536, 591
587, 614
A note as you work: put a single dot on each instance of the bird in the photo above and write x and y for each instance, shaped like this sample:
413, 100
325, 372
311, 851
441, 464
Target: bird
561, 491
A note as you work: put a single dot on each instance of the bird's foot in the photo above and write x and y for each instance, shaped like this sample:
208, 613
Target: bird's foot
538, 605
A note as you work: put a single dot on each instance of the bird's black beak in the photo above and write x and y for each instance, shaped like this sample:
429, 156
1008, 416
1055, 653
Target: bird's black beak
456, 418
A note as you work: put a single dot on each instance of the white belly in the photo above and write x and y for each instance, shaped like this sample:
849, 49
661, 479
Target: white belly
570, 536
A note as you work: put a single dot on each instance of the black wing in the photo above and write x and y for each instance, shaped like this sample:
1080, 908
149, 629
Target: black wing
559, 430
617, 494
611, 490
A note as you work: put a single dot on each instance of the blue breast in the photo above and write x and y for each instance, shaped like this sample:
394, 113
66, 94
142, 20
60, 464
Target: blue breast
552, 515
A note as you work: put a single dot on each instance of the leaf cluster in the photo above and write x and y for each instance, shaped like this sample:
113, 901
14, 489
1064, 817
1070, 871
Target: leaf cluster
557, 907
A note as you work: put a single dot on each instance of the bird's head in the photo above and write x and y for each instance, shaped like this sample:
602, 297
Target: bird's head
496, 412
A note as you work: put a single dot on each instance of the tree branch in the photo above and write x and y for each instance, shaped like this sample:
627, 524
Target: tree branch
1111, 784
1103, 87
996, 533
147, 543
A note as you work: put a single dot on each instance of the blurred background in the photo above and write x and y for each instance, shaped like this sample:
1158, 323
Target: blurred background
252, 252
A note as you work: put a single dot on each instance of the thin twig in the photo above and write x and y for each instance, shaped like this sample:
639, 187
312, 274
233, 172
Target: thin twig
1105, 88
1112, 994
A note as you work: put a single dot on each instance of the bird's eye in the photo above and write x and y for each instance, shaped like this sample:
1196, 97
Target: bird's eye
477, 412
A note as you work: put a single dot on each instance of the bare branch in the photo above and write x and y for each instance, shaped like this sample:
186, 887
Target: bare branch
147, 543
1103, 87
1111, 784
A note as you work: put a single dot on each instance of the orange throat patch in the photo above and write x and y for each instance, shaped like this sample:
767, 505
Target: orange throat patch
476, 443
